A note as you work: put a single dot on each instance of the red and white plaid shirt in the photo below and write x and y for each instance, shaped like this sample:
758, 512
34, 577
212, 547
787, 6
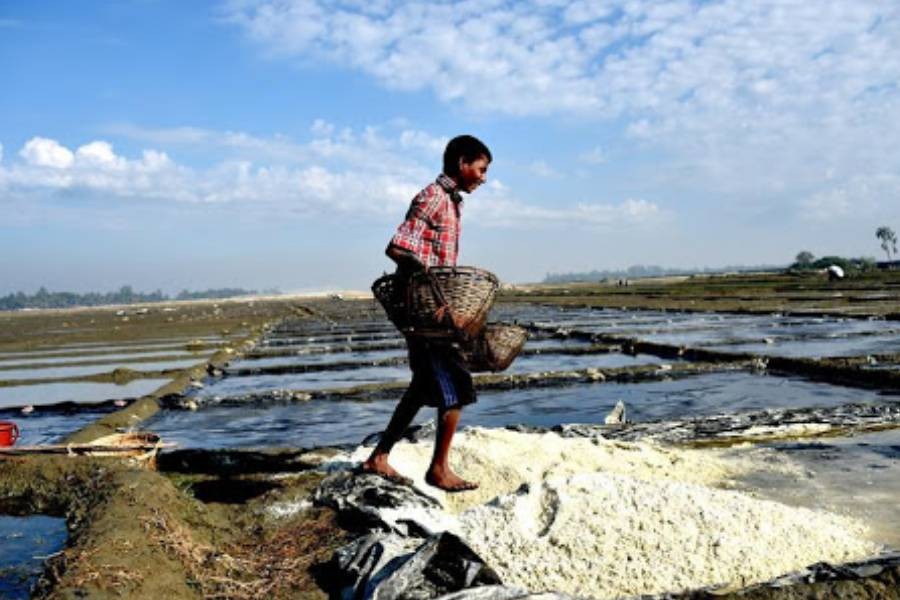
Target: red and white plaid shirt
432, 225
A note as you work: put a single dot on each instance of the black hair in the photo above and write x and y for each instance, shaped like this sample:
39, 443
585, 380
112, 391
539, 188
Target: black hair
467, 147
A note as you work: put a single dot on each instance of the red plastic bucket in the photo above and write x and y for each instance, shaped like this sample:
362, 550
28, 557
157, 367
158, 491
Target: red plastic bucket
9, 433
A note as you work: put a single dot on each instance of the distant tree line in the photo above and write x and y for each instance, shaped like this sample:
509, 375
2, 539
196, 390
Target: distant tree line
638, 271
806, 261
125, 295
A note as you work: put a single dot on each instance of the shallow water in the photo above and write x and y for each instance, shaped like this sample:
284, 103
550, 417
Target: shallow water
315, 359
25, 542
111, 353
45, 426
102, 358
850, 346
857, 476
563, 362
105, 346
330, 338
63, 371
52, 393
550, 343
306, 424
317, 380
319, 422
763, 334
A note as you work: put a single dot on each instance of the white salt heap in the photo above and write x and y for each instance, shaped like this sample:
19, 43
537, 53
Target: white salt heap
606, 519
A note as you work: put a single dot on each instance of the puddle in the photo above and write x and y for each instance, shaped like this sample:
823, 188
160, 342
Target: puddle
62, 371
52, 426
53, 393
25, 543
857, 476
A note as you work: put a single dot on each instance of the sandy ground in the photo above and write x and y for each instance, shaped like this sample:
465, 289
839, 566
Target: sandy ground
591, 517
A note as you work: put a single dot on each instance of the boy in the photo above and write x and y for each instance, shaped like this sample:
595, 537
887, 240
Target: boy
429, 237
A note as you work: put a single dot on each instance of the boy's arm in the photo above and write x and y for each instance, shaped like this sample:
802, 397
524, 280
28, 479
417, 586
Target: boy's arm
406, 260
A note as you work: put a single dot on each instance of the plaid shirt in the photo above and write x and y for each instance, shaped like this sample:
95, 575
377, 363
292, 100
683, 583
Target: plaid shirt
432, 225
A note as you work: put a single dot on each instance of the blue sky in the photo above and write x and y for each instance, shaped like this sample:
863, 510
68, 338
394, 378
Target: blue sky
261, 143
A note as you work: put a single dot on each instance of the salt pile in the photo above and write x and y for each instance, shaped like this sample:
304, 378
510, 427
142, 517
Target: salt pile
591, 517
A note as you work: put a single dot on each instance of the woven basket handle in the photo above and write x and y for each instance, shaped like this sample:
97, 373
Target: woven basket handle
443, 314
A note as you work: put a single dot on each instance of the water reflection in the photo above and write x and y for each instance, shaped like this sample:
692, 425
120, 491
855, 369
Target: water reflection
25, 542
54, 393
321, 422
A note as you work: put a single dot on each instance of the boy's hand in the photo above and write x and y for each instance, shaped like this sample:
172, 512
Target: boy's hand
445, 315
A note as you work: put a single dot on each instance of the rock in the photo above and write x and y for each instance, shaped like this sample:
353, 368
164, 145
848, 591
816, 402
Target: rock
595, 374
759, 364
617, 415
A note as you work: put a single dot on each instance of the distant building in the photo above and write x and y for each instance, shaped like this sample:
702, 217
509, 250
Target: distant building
889, 265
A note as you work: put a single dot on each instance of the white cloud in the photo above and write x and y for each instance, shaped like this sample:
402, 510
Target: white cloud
360, 173
496, 206
594, 156
859, 198
99, 154
540, 168
43, 152
754, 99
600, 58
321, 128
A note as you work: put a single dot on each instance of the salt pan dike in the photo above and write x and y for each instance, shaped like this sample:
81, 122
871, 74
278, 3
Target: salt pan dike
600, 518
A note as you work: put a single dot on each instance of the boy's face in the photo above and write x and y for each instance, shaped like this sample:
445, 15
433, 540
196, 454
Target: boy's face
472, 174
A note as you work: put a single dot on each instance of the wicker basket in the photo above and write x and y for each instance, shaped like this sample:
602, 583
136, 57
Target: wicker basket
466, 295
391, 294
444, 302
495, 349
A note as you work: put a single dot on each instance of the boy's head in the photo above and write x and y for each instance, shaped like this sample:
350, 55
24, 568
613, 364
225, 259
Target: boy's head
466, 160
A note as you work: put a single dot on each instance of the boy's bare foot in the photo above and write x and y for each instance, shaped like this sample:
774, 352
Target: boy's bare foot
378, 465
448, 481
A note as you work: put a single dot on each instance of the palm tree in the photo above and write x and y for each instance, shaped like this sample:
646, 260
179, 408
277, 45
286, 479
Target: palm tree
888, 240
